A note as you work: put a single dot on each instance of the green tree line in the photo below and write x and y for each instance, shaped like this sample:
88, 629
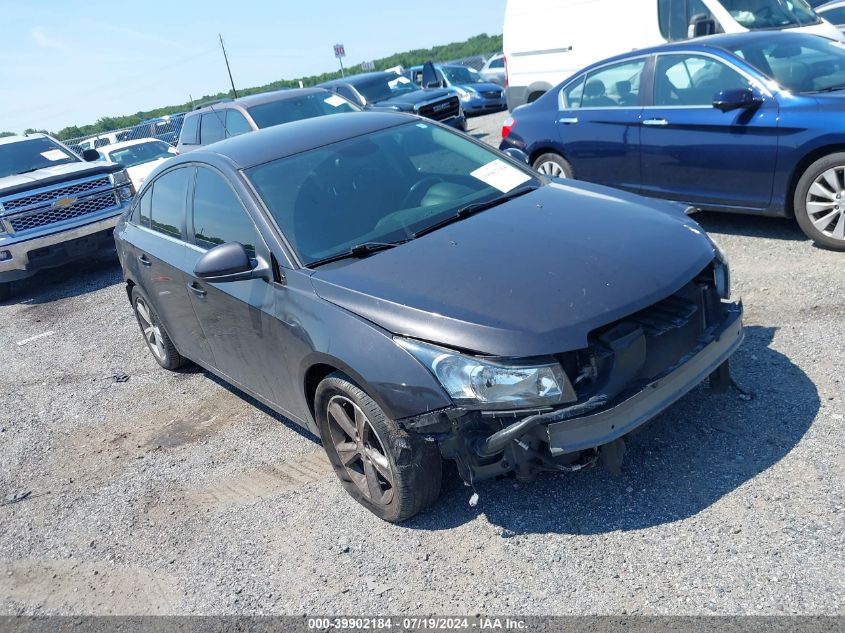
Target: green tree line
478, 45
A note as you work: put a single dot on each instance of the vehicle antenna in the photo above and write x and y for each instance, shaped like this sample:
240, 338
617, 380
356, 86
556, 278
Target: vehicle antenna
226, 59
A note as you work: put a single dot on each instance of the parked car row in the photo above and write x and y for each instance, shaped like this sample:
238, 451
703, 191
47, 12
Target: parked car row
747, 123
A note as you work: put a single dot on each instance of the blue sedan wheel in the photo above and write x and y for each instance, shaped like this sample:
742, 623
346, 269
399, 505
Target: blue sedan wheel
554, 166
820, 202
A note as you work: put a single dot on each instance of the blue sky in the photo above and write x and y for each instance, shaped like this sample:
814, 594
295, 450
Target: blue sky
67, 62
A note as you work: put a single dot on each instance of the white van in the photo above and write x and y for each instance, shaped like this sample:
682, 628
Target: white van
546, 41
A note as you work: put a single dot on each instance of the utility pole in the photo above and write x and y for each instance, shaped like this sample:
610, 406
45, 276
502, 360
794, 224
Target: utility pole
225, 57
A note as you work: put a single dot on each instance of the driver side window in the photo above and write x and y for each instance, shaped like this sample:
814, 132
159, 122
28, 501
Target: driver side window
692, 80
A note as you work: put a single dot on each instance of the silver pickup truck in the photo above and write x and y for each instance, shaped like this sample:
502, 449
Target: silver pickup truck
54, 206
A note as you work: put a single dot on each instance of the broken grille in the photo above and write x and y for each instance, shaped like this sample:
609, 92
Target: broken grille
48, 197
91, 204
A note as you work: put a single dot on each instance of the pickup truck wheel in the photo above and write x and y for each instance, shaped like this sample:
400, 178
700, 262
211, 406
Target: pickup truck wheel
554, 165
820, 202
5, 291
392, 473
155, 336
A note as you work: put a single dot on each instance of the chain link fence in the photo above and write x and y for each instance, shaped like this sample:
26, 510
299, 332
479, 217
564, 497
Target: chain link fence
164, 128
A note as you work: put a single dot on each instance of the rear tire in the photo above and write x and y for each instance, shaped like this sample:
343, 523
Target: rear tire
5, 291
554, 166
155, 336
392, 473
534, 96
819, 202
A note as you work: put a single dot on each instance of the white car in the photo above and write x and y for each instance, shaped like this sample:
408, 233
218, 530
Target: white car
139, 157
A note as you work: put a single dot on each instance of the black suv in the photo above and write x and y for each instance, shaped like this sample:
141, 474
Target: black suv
395, 92
225, 119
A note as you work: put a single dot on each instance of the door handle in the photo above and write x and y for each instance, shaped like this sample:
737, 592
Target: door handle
568, 120
656, 122
143, 259
197, 289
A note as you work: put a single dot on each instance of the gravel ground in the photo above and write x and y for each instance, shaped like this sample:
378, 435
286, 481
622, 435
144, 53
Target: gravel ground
172, 493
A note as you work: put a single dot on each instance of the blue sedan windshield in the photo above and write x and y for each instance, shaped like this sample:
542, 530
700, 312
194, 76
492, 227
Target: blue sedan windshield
799, 63
771, 14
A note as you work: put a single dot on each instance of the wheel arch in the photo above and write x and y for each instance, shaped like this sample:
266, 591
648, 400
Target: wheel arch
801, 167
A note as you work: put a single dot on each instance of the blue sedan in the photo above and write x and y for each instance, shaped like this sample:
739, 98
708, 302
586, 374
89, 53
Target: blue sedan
745, 123
478, 96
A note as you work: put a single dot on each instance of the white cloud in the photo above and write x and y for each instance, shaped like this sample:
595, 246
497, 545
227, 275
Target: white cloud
44, 40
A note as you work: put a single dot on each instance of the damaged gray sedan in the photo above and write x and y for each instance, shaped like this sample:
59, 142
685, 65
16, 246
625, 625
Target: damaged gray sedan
409, 294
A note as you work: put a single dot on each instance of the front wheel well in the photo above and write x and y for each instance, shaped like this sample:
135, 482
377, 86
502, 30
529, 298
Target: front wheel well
535, 154
313, 377
801, 167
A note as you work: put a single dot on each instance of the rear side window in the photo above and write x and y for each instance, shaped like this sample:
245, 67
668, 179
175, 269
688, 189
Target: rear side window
213, 128
144, 208
497, 63
616, 86
190, 130
572, 94
236, 123
218, 214
167, 212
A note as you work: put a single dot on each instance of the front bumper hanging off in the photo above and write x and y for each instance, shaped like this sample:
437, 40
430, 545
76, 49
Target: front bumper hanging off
564, 433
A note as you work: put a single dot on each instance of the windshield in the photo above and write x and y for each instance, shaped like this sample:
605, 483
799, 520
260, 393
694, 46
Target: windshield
461, 75
381, 87
140, 154
381, 187
309, 106
771, 14
799, 63
37, 153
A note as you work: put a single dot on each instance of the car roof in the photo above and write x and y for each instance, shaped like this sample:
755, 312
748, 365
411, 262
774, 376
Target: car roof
136, 141
258, 99
353, 79
18, 138
723, 42
280, 141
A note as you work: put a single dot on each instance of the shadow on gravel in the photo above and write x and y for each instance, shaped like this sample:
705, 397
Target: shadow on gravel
290, 424
751, 226
700, 450
71, 280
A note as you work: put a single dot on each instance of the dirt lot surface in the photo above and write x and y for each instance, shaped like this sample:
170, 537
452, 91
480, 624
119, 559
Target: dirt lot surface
172, 493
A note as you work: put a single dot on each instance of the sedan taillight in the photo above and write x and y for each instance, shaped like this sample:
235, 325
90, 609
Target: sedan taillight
507, 126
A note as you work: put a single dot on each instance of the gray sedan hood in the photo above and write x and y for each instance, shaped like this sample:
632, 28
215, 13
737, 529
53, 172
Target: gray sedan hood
530, 277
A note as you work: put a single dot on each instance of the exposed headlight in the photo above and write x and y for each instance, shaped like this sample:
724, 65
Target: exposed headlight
120, 178
722, 271
480, 383
123, 184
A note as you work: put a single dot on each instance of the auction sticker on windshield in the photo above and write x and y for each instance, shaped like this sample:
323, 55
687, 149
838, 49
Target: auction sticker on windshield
500, 175
335, 101
54, 154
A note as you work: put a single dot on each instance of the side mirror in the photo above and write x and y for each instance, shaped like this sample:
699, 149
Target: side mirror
90, 155
736, 99
518, 155
228, 262
429, 76
701, 26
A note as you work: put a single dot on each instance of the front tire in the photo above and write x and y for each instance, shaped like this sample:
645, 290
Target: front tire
819, 202
554, 166
155, 336
392, 473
